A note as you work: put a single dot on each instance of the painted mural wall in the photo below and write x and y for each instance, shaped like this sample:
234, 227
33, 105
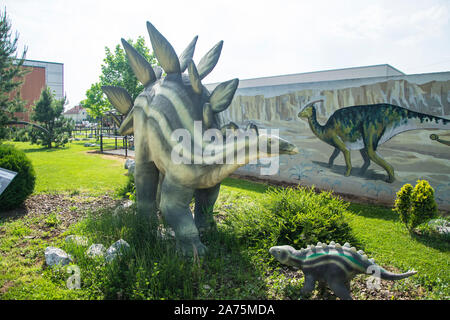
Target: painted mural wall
412, 154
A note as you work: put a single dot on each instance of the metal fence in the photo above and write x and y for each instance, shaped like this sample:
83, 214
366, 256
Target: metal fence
107, 139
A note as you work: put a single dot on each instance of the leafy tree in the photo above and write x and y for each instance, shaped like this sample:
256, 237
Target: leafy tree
48, 114
11, 74
116, 71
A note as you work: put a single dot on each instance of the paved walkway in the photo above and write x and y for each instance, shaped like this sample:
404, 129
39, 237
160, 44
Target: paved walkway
120, 152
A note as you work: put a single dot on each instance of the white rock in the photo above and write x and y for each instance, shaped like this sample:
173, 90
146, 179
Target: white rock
127, 204
77, 240
130, 164
165, 233
119, 209
116, 249
54, 256
96, 250
443, 230
441, 226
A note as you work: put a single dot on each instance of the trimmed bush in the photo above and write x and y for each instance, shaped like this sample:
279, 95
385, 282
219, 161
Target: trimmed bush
23, 184
291, 216
423, 205
416, 206
402, 203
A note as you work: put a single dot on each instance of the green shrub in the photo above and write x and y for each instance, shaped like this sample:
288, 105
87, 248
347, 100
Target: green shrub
23, 184
423, 205
292, 216
402, 203
22, 134
416, 206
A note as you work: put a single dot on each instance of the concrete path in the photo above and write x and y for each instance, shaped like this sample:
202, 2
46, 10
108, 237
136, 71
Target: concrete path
120, 152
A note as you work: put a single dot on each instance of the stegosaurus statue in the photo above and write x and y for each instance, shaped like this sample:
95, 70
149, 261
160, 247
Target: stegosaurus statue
178, 102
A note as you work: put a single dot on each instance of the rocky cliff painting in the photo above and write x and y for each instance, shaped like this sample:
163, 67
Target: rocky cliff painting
417, 154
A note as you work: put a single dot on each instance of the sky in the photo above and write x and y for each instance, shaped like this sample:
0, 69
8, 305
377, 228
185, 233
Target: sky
261, 38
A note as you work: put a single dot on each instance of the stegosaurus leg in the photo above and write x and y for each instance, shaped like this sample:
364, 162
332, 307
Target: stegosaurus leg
308, 285
341, 290
204, 204
146, 173
174, 205
146, 182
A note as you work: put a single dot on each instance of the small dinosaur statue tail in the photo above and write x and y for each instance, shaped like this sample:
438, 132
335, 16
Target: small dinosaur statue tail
386, 275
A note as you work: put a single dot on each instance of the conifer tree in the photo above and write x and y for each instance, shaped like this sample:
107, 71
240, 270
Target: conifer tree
47, 113
11, 74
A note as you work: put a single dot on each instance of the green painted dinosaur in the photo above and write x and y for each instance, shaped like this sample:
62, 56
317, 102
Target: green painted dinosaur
366, 127
179, 103
436, 138
332, 264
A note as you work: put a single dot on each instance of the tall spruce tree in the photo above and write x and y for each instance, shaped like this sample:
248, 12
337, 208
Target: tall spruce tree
11, 74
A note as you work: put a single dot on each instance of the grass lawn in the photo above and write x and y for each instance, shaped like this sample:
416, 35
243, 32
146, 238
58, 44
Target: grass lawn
71, 169
229, 271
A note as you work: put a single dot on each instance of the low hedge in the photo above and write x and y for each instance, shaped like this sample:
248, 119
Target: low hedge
23, 183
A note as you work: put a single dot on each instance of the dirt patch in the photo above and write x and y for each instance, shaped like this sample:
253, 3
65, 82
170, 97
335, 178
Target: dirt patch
57, 212
8, 284
120, 158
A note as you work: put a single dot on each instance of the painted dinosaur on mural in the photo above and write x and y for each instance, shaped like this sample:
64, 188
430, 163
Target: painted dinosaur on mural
168, 104
332, 264
435, 137
366, 127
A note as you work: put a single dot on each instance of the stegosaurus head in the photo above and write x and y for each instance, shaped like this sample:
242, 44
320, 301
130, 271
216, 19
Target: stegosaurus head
196, 100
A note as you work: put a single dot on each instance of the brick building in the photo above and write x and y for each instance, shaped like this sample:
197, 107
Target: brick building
41, 74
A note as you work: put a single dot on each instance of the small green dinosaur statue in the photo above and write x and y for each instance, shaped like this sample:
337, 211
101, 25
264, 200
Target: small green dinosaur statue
366, 127
178, 102
332, 264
